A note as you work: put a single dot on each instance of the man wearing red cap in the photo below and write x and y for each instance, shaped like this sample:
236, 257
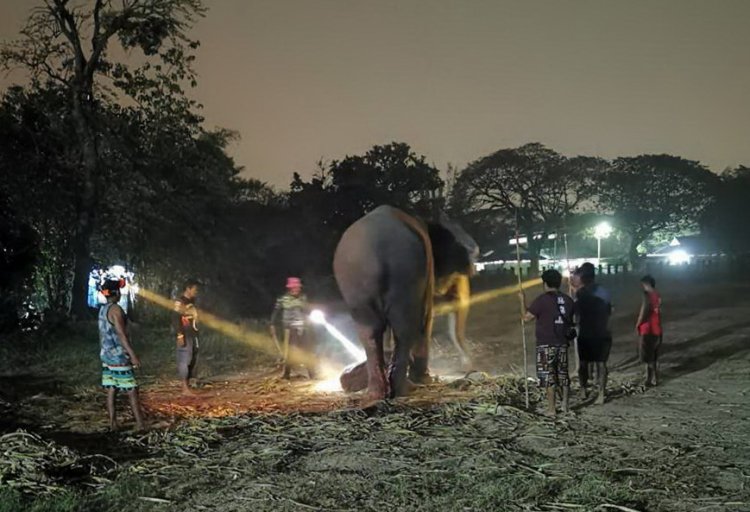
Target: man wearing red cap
293, 308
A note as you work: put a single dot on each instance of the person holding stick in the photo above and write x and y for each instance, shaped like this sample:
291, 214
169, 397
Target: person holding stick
553, 313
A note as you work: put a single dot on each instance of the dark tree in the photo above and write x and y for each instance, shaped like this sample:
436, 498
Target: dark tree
345, 190
18, 252
649, 193
533, 184
67, 43
727, 217
40, 180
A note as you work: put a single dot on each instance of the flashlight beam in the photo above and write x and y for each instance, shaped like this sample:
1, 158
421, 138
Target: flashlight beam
253, 339
446, 308
356, 352
318, 317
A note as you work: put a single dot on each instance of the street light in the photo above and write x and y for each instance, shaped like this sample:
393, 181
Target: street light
602, 230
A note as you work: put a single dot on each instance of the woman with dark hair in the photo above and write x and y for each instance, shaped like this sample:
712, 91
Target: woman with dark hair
649, 328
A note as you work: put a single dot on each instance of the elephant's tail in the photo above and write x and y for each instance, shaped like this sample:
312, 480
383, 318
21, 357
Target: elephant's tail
421, 231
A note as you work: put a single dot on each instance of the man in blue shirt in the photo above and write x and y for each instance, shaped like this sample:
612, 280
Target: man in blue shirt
593, 309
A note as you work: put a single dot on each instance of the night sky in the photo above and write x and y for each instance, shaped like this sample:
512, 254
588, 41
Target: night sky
310, 79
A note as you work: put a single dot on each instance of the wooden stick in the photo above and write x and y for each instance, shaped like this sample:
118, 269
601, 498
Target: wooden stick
570, 292
523, 321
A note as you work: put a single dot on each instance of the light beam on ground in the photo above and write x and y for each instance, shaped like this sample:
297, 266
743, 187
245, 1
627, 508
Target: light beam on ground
318, 317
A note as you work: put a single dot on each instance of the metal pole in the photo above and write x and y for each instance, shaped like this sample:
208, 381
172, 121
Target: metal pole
523, 322
598, 251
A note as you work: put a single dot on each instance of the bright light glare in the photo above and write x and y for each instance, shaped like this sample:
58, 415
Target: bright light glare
678, 257
602, 230
328, 386
317, 317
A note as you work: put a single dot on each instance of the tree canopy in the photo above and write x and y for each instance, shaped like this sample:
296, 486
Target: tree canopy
648, 193
532, 185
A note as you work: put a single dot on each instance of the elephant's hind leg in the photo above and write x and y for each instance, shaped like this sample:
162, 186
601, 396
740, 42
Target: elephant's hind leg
405, 323
372, 340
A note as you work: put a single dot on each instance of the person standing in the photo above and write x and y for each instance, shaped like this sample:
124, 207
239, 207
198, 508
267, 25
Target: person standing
185, 326
117, 355
553, 312
293, 309
649, 328
593, 309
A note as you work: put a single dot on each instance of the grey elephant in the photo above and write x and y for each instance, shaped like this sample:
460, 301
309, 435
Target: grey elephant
389, 266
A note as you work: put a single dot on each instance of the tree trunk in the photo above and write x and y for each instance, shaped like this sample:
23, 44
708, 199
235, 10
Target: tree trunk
635, 260
534, 248
86, 208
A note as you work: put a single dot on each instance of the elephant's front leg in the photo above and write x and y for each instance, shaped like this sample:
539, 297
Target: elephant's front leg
455, 332
372, 341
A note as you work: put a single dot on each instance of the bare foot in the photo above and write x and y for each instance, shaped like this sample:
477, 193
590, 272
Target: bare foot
187, 392
113, 427
600, 399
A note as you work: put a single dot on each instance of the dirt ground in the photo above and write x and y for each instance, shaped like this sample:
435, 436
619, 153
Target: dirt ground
251, 442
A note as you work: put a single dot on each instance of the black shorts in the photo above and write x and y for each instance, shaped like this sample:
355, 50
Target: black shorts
649, 348
594, 349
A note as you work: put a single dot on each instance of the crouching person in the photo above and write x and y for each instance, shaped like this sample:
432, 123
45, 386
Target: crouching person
117, 355
553, 313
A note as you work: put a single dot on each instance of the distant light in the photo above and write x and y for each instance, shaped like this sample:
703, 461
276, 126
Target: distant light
678, 257
521, 240
117, 270
674, 242
317, 317
602, 230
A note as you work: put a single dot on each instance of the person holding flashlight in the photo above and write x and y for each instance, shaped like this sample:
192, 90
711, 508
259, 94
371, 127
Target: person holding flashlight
293, 309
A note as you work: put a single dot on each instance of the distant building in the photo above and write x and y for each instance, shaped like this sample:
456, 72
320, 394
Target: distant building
685, 249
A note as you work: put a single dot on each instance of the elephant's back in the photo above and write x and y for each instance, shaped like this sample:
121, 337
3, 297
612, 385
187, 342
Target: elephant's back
377, 248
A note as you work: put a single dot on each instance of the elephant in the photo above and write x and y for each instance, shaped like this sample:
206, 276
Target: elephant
389, 266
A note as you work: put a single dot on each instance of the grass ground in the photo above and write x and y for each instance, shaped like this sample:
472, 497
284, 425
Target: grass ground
250, 442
